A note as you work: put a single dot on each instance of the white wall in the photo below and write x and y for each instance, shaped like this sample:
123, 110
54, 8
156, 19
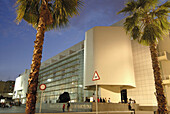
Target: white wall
88, 57
108, 51
145, 87
113, 93
21, 85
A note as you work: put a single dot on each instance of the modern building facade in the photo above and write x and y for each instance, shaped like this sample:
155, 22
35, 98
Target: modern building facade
6, 88
21, 85
124, 66
145, 93
63, 73
108, 51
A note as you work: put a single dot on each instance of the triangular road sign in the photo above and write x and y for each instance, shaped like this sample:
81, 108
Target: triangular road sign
95, 76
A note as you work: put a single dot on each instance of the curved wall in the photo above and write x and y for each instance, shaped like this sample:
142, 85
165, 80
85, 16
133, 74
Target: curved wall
108, 51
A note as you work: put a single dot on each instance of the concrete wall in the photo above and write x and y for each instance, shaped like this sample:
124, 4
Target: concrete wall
145, 87
111, 92
114, 107
108, 51
88, 107
76, 107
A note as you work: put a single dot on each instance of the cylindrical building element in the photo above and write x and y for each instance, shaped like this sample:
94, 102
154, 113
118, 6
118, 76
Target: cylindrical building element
108, 51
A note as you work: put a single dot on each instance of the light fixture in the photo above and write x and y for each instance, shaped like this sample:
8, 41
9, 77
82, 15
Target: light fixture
49, 80
80, 85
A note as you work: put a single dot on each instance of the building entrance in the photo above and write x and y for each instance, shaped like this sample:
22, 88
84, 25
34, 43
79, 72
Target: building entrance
124, 96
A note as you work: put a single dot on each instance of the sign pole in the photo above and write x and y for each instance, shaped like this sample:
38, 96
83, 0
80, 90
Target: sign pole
41, 101
95, 78
42, 88
96, 99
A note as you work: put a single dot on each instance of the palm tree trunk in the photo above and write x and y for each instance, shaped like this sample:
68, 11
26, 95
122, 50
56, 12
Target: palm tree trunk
36, 62
161, 99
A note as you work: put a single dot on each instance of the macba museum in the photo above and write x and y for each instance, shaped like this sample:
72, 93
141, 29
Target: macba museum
124, 67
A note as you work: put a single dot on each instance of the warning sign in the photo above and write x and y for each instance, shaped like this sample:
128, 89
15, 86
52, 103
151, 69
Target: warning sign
95, 76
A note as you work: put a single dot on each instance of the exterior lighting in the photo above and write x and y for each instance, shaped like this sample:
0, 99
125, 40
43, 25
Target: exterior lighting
72, 101
80, 85
10, 93
49, 80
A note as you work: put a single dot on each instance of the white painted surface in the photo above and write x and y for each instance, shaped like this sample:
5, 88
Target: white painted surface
21, 85
108, 51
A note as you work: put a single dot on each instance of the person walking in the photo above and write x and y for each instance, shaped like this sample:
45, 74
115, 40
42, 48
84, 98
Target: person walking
94, 97
105, 100
109, 100
98, 100
68, 106
101, 100
63, 107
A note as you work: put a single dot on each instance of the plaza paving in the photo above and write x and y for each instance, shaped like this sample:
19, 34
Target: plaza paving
21, 109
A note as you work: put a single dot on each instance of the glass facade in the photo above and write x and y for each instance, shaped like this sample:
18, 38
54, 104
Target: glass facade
64, 75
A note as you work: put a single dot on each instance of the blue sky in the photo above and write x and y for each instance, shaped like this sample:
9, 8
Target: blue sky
17, 41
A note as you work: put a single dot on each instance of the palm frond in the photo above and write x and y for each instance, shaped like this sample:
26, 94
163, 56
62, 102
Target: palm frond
151, 34
166, 4
131, 21
161, 12
145, 4
135, 34
162, 18
62, 10
164, 24
21, 7
59, 10
32, 13
130, 7
148, 22
25, 8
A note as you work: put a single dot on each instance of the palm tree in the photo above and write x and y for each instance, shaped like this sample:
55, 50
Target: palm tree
43, 15
147, 23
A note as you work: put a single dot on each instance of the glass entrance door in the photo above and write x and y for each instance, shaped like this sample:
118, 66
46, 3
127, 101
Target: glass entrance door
124, 96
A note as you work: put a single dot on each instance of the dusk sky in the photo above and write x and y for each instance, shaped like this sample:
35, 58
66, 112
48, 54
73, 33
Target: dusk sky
17, 41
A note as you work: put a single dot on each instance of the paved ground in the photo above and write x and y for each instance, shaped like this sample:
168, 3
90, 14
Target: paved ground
21, 109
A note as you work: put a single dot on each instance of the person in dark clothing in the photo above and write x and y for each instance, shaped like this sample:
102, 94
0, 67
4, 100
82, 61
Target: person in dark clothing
68, 106
100, 99
130, 107
103, 100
